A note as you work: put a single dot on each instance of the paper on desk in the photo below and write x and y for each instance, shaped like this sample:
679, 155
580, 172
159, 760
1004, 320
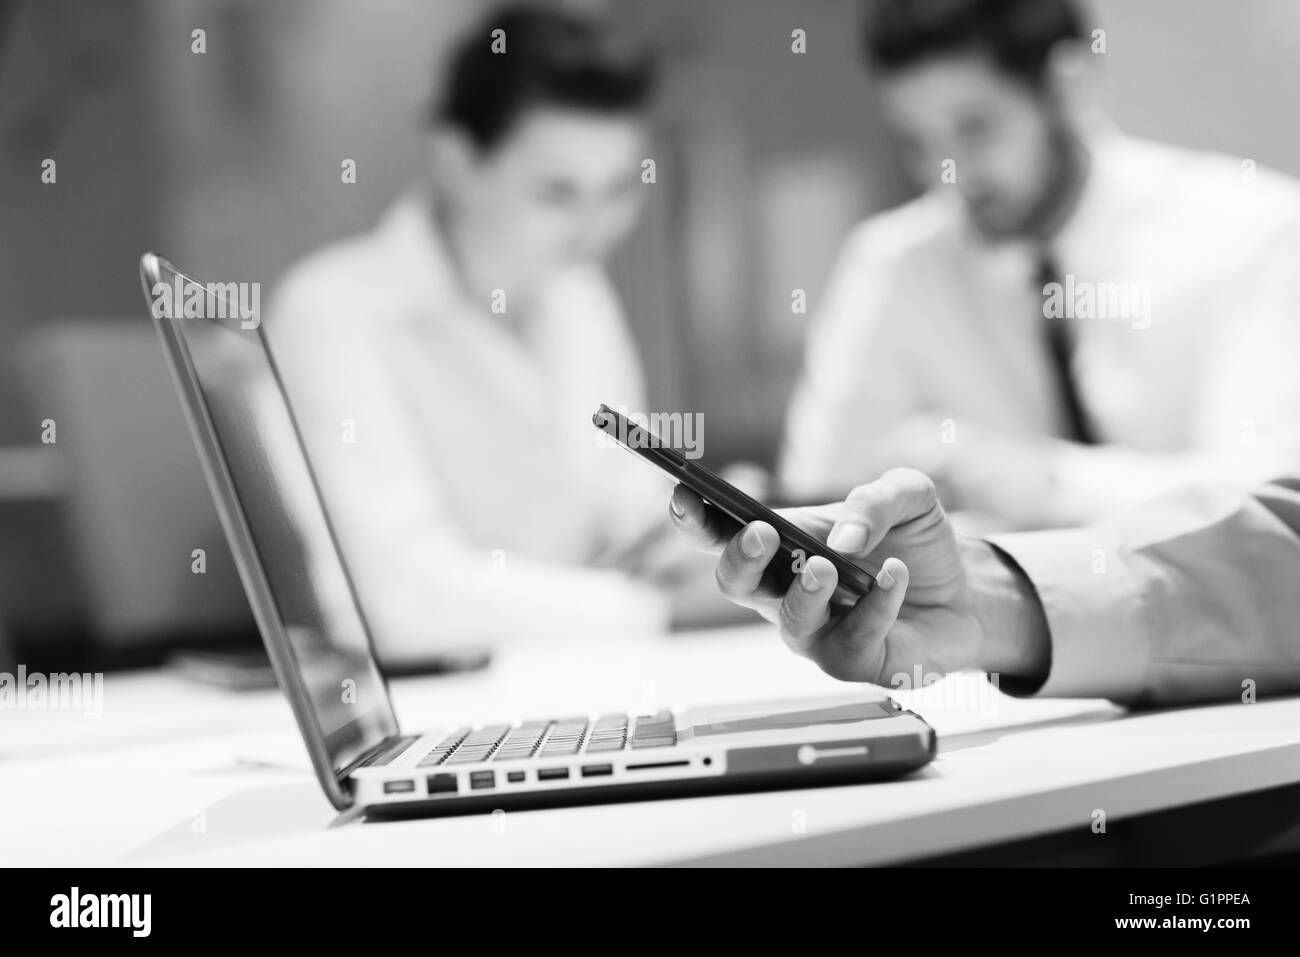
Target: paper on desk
965, 703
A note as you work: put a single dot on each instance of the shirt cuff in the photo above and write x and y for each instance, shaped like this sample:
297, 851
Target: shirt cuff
1097, 612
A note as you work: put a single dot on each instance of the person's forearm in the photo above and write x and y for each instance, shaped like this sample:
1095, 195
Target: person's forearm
1191, 597
1015, 644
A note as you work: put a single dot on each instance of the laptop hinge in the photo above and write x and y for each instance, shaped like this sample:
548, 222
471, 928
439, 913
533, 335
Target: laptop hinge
383, 752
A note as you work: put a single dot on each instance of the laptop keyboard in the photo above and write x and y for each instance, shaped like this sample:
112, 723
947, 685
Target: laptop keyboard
555, 738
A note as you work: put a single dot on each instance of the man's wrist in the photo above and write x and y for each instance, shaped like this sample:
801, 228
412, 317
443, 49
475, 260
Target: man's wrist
1015, 643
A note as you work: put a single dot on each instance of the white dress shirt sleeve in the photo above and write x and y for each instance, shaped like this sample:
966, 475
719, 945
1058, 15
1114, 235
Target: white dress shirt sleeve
1193, 596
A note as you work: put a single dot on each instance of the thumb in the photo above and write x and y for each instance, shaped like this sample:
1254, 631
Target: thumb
871, 511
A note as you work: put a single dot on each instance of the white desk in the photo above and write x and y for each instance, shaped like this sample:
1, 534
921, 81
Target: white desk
179, 774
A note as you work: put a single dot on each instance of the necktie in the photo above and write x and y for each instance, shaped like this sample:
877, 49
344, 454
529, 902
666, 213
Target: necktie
1058, 336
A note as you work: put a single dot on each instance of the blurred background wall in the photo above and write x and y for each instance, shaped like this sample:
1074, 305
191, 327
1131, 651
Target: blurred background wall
229, 161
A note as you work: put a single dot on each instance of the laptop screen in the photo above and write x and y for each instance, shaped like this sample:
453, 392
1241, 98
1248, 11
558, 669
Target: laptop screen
289, 562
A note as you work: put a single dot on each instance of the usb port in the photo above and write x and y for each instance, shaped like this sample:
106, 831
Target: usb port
552, 774
514, 777
597, 770
399, 787
483, 779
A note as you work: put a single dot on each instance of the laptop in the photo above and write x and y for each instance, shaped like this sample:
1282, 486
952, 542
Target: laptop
315, 633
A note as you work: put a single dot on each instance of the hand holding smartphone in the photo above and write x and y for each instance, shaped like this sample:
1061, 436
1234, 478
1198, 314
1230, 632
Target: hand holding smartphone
797, 546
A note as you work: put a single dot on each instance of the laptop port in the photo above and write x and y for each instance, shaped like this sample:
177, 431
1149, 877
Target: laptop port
514, 777
552, 774
597, 770
483, 779
442, 784
399, 787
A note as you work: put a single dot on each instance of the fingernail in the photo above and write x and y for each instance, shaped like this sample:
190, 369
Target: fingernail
809, 579
751, 543
885, 580
675, 508
849, 537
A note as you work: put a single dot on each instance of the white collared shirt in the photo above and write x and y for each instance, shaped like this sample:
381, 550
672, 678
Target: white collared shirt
454, 446
924, 323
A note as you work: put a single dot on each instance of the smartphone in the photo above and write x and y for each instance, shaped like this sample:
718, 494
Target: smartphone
797, 546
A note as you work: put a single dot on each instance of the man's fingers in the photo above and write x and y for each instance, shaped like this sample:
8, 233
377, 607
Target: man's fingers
854, 648
708, 529
872, 510
806, 606
744, 559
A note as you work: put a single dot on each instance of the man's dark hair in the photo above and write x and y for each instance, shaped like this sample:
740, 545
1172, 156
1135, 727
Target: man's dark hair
551, 58
1017, 35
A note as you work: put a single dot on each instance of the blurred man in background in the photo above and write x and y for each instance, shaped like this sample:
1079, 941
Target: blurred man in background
1069, 320
444, 367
